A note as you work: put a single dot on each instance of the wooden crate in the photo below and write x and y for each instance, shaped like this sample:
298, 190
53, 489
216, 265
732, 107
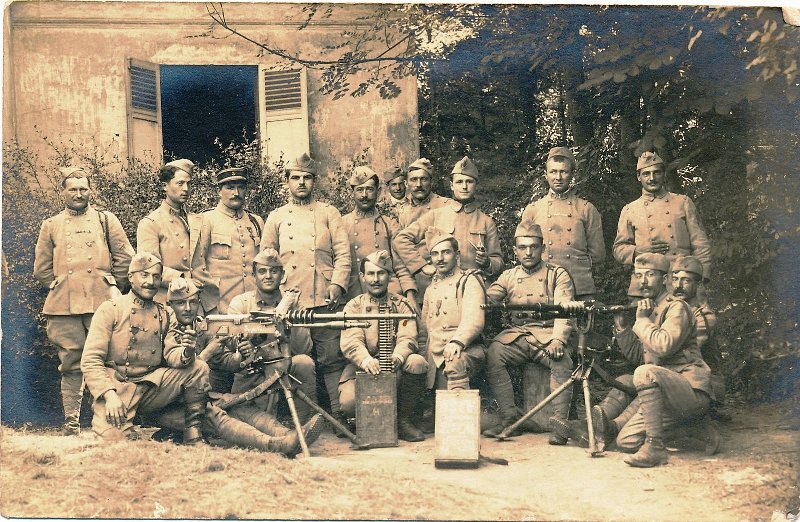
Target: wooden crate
458, 430
536, 386
376, 409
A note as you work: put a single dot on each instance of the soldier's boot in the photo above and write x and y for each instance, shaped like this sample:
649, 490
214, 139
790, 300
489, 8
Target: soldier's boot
289, 444
259, 419
503, 391
195, 400
652, 453
411, 389
233, 430
425, 416
71, 398
561, 402
605, 430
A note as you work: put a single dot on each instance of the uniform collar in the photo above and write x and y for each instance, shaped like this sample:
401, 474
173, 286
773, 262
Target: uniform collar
647, 196
394, 201
71, 212
228, 212
535, 269
180, 211
379, 300
270, 301
442, 277
370, 213
138, 302
423, 202
468, 207
567, 194
301, 202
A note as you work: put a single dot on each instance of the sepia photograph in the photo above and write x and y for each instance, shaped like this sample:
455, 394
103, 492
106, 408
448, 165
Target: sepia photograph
400, 261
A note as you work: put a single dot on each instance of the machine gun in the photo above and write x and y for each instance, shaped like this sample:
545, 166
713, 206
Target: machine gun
269, 331
585, 313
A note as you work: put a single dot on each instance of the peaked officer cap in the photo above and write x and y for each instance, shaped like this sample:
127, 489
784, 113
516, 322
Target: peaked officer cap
302, 163
528, 228
466, 167
556, 152
382, 259
181, 288
687, 263
422, 164
183, 164
143, 261
648, 159
268, 257
652, 261
391, 173
231, 174
361, 175
434, 236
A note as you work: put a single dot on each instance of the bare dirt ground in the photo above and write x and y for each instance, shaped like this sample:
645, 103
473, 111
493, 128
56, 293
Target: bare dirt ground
755, 477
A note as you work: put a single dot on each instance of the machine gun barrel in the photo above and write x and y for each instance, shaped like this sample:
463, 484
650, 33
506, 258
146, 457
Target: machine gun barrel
555, 311
308, 317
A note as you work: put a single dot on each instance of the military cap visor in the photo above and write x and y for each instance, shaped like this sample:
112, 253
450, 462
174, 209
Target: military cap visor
232, 174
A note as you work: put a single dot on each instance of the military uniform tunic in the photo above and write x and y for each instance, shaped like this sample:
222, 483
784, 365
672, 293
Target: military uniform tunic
667, 217
173, 236
313, 246
370, 232
413, 210
228, 243
573, 236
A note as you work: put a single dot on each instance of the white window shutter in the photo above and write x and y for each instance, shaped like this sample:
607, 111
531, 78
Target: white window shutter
145, 140
283, 113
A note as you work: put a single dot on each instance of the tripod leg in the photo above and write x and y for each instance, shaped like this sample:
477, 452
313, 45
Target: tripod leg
295, 419
330, 418
587, 401
505, 433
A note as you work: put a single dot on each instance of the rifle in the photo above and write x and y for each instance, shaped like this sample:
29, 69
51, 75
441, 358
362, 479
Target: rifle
546, 311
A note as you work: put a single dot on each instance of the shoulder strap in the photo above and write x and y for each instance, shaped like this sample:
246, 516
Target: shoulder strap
104, 224
254, 221
550, 281
461, 284
388, 237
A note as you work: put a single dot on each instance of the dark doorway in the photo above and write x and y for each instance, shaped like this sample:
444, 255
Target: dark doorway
202, 102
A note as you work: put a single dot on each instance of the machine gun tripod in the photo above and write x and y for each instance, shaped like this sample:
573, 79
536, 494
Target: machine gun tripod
585, 317
275, 365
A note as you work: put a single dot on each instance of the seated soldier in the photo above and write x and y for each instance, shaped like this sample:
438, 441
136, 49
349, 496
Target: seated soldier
268, 275
360, 345
452, 316
531, 340
674, 383
243, 425
127, 366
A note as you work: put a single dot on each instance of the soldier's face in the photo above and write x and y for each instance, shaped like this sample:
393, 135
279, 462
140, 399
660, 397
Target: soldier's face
145, 283
186, 310
463, 187
300, 184
528, 251
444, 257
268, 278
375, 278
652, 178
558, 174
419, 183
684, 285
366, 195
397, 187
233, 194
178, 188
76, 193
650, 282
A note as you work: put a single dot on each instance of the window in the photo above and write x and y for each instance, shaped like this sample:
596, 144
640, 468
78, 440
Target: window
283, 113
144, 110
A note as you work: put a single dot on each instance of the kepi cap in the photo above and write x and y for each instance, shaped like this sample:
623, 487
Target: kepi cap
361, 175
181, 288
434, 236
390, 174
302, 163
688, 264
268, 257
422, 164
231, 174
184, 164
528, 228
466, 167
143, 261
652, 261
648, 159
382, 259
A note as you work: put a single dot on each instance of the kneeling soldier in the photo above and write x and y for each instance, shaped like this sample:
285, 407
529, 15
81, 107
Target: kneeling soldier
244, 424
452, 315
127, 366
360, 346
540, 341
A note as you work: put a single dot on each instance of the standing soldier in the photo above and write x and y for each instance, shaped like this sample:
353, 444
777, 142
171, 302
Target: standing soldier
452, 315
395, 198
82, 256
369, 230
421, 200
360, 345
659, 222
171, 232
129, 364
573, 231
475, 232
230, 237
312, 242
541, 341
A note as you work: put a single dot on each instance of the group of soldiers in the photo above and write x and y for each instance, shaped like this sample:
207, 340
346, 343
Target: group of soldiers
142, 355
